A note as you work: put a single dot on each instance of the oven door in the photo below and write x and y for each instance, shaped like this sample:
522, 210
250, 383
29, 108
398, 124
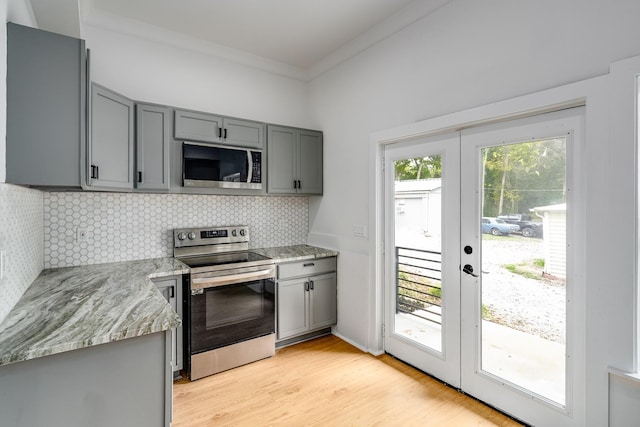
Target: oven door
230, 309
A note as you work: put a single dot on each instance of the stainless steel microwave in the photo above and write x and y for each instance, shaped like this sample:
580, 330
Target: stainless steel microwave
215, 166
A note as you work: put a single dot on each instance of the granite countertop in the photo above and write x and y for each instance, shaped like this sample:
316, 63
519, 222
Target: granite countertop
76, 307
295, 253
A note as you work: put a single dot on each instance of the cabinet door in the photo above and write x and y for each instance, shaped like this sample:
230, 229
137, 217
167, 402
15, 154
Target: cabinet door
46, 108
171, 289
281, 146
323, 300
152, 147
243, 133
111, 145
192, 126
310, 161
292, 306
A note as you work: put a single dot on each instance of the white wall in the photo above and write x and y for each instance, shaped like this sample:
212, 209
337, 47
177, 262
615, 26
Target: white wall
149, 71
469, 54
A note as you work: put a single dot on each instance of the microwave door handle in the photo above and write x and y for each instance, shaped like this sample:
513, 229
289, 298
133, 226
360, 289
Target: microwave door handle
213, 282
249, 166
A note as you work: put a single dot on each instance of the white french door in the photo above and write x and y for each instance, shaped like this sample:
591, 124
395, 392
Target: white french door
422, 239
480, 262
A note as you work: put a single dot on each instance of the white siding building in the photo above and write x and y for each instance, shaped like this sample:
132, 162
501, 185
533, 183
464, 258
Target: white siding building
554, 224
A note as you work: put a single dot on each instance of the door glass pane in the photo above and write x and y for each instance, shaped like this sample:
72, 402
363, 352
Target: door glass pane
523, 279
418, 250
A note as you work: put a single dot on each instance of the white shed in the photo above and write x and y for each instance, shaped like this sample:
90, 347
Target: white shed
554, 223
418, 215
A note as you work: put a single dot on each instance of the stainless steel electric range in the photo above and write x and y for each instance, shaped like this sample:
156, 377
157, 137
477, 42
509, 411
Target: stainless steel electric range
229, 300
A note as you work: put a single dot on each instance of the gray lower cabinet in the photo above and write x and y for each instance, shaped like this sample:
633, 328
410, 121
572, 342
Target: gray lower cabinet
122, 383
152, 147
294, 161
171, 289
202, 127
306, 297
46, 108
110, 148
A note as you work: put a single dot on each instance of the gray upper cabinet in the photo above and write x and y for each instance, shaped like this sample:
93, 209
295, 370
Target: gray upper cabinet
192, 126
152, 147
201, 127
243, 133
294, 161
110, 149
310, 162
281, 160
46, 108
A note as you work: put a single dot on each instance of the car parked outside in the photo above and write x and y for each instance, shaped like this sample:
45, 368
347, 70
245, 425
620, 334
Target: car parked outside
528, 228
498, 227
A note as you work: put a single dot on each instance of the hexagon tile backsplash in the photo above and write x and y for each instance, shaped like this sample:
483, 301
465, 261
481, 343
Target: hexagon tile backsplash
126, 226
21, 240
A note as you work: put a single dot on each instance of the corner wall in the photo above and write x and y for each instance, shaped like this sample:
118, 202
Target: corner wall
464, 55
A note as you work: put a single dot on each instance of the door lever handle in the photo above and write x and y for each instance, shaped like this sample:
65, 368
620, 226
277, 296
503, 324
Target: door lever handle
469, 270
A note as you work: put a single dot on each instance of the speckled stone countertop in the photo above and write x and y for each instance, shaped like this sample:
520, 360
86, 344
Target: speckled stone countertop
295, 253
76, 307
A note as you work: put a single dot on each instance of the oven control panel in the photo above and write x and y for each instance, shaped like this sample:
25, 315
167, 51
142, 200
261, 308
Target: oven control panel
185, 237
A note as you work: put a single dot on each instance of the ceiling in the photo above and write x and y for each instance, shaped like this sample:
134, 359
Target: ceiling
304, 36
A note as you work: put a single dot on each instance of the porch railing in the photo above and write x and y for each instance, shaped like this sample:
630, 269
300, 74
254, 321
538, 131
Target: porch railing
419, 283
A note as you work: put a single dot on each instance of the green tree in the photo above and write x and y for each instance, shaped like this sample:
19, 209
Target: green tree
418, 168
518, 177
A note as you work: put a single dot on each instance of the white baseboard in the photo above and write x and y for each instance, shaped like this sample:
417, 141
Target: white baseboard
358, 346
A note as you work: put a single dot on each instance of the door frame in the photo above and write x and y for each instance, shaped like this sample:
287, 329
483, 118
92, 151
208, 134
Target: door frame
574, 95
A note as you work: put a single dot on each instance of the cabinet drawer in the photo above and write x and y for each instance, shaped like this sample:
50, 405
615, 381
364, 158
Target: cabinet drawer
307, 267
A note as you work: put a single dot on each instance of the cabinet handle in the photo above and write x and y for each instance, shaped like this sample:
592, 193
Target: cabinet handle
311, 284
309, 264
172, 292
295, 184
220, 133
225, 133
299, 184
306, 286
139, 176
94, 172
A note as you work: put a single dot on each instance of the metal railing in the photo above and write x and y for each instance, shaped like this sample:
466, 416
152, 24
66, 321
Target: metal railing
419, 283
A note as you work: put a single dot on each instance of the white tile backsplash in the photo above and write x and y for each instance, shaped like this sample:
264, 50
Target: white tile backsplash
21, 238
126, 226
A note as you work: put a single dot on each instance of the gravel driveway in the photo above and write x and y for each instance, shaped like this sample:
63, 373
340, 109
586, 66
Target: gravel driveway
529, 305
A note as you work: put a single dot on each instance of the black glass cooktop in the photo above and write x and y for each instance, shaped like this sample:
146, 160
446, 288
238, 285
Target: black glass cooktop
222, 259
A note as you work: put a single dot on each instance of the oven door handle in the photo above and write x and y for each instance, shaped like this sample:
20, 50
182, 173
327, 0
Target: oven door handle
212, 282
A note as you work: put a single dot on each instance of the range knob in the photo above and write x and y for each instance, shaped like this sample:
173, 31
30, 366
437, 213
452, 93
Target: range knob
182, 236
242, 232
234, 233
192, 235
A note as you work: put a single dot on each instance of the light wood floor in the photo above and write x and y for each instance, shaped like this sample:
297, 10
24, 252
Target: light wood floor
326, 382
